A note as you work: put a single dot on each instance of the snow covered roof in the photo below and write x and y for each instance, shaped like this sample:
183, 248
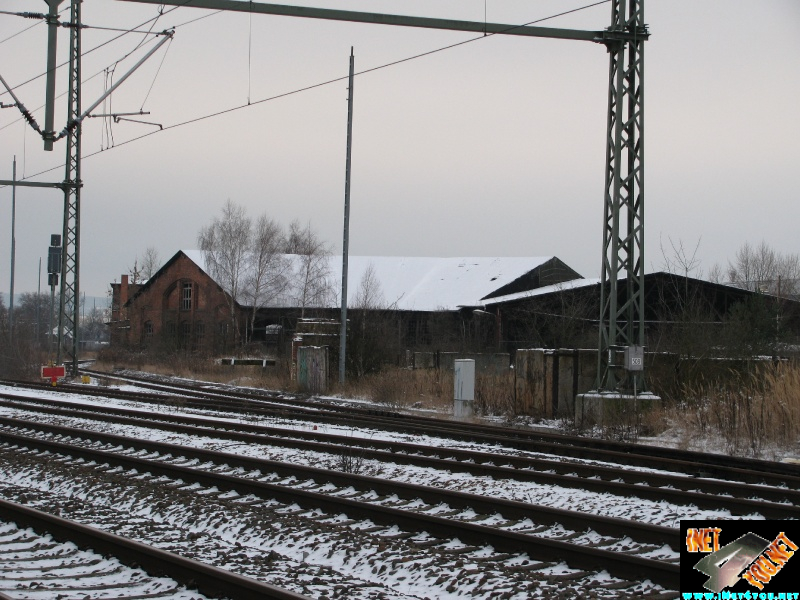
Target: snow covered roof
427, 284
549, 289
420, 283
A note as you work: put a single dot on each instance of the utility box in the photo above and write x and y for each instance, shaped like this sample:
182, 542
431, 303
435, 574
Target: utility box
464, 388
634, 358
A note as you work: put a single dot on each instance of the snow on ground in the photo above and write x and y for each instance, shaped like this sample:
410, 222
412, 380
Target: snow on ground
644, 510
36, 567
305, 552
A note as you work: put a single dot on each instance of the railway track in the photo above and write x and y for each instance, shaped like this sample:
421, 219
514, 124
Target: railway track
294, 406
324, 491
41, 560
321, 500
742, 499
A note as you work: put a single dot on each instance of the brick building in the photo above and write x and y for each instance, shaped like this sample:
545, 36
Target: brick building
180, 307
427, 300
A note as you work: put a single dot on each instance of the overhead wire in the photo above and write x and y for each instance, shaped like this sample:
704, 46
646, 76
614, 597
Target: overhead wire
66, 62
249, 51
39, 22
125, 32
62, 94
161, 64
329, 81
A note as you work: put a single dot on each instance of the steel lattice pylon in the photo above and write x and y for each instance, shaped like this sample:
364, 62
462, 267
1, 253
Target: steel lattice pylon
69, 303
622, 278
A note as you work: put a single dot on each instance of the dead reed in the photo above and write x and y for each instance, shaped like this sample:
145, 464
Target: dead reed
756, 413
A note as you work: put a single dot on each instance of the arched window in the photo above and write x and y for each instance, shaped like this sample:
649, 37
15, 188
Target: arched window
186, 295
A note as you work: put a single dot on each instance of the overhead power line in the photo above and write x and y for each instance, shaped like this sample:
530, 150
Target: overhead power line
123, 33
316, 85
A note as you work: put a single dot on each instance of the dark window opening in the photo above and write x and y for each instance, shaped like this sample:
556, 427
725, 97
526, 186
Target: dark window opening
186, 296
186, 334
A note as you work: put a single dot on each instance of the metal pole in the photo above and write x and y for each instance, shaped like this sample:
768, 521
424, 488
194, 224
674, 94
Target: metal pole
50, 85
622, 315
38, 302
50, 327
481, 27
13, 251
346, 240
68, 315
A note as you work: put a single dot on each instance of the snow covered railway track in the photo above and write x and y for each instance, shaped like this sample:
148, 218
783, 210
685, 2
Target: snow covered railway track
775, 502
525, 531
219, 397
44, 557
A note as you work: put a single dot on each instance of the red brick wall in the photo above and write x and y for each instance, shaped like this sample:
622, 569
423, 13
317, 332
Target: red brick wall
158, 316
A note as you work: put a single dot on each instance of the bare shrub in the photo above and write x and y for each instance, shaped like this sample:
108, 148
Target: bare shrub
21, 360
750, 412
350, 460
389, 389
494, 394
396, 388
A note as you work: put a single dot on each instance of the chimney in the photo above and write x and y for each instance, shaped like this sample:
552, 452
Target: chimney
123, 293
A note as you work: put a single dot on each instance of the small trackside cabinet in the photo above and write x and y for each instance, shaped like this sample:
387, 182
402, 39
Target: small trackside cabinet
464, 380
464, 388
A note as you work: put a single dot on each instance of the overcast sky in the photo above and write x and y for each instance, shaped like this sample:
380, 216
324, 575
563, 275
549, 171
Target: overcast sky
492, 148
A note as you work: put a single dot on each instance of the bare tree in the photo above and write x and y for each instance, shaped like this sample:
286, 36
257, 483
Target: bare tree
716, 274
295, 242
680, 261
762, 269
753, 268
93, 326
372, 342
135, 272
788, 283
369, 294
312, 282
151, 262
225, 245
267, 266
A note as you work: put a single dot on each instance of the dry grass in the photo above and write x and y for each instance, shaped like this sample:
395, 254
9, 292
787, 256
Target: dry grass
207, 369
431, 389
755, 414
397, 388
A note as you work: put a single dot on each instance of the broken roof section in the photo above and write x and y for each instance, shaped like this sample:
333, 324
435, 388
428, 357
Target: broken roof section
420, 283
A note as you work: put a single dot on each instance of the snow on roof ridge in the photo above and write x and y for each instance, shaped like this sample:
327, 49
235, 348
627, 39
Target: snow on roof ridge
427, 283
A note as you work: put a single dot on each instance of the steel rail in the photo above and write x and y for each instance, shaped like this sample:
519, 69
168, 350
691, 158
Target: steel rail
510, 509
209, 580
474, 462
703, 460
619, 565
693, 463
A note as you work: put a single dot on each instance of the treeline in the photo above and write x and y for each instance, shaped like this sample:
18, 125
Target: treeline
29, 335
258, 262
